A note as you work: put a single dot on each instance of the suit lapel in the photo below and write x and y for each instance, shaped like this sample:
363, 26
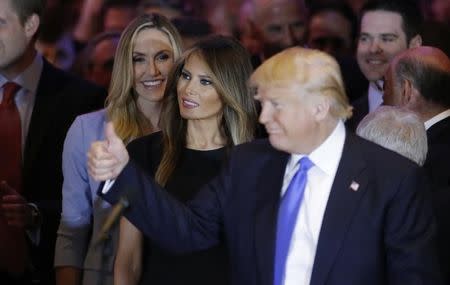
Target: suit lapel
342, 203
437, 131
43, 112
267, 199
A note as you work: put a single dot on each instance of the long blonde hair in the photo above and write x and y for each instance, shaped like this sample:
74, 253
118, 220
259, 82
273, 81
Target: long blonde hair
121, 105
230, 65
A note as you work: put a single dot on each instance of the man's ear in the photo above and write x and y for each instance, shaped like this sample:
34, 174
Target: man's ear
407, 92
322, 106
416, 41
32, 25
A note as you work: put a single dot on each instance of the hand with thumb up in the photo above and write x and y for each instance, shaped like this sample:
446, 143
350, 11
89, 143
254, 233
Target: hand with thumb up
107, 158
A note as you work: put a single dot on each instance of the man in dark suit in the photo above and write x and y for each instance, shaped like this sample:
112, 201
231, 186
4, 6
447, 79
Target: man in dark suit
386, 29
313, 204
419, 80
38, 104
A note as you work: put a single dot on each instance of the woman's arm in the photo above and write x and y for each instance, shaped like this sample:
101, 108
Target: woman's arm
75, 225
128, 265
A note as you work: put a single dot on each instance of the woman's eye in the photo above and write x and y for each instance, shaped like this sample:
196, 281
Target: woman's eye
138, 59
163, 57
184, 75
205, 82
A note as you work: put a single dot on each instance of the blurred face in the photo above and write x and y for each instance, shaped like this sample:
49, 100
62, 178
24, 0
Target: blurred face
282, 25
382, 37
102, 61
288, 118
117, 18
197, 97
152, 60
14, 40
330, 32
440, 10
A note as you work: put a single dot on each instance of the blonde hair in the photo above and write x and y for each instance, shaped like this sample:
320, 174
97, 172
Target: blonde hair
313, 71
230, 68
121, 105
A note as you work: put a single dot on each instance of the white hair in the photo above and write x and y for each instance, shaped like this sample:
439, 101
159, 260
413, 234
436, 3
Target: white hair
396, 129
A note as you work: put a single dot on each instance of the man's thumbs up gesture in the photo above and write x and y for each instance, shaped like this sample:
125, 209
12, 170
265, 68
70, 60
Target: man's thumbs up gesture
107, 158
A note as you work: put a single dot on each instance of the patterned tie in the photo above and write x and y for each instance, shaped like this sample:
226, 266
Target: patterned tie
287, 217
12, 239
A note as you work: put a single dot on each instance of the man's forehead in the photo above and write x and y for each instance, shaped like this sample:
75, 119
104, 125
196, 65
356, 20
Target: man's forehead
266, 9
272, 90
382, 22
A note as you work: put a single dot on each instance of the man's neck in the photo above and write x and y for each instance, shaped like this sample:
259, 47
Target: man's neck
430, 111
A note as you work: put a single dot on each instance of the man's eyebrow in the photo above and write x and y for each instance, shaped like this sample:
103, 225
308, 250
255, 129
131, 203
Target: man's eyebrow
389, 35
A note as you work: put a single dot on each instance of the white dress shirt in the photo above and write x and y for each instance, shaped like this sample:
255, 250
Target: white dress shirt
305, 236
375, 95
439, 117
25, 97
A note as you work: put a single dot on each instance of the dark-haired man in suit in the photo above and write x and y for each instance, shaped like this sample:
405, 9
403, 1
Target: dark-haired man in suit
386, 29
38, 104
419, 80
313, 204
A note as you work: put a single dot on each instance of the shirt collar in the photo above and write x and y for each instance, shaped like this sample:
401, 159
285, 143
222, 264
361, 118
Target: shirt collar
439, 117
326, 156
375, 95
29, 78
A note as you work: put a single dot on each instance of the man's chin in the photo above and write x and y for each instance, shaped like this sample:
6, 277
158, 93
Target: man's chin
276, 142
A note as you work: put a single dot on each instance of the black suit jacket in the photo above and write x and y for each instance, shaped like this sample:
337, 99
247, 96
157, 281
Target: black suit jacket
437, 166
60, 97
381, 234
360, 110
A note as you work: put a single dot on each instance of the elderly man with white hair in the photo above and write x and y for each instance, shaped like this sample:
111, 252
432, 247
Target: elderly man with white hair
396, 129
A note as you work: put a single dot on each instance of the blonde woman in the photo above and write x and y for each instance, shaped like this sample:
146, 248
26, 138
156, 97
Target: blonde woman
206, 111
146, 52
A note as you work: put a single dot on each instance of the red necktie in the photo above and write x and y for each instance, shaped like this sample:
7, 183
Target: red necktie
12, 239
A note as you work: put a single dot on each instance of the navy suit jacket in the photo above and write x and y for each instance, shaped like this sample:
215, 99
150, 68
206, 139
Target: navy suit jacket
60, 97
360, 110
381, 234
437, 166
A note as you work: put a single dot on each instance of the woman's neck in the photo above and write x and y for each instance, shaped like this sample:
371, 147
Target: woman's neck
151, 111
204, 135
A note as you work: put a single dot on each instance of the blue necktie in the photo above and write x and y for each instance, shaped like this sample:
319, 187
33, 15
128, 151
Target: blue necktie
287, 216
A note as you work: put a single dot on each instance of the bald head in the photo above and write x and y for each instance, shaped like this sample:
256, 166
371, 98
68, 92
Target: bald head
281, 24
419, 78
428, 56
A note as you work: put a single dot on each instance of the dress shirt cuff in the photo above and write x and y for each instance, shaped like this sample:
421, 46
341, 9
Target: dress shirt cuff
34, 232
108, 184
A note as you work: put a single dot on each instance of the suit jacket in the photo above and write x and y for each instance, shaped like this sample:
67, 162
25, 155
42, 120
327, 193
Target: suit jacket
381, 234
437, 166
360, 110
60, 97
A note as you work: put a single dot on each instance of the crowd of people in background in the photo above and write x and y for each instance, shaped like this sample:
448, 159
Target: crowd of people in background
170, 83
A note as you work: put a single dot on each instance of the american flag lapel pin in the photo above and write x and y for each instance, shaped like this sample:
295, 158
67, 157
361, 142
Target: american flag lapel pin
354, 186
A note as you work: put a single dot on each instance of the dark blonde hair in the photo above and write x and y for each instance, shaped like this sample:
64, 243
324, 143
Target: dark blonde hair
311, 70
230, 65
121, 105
